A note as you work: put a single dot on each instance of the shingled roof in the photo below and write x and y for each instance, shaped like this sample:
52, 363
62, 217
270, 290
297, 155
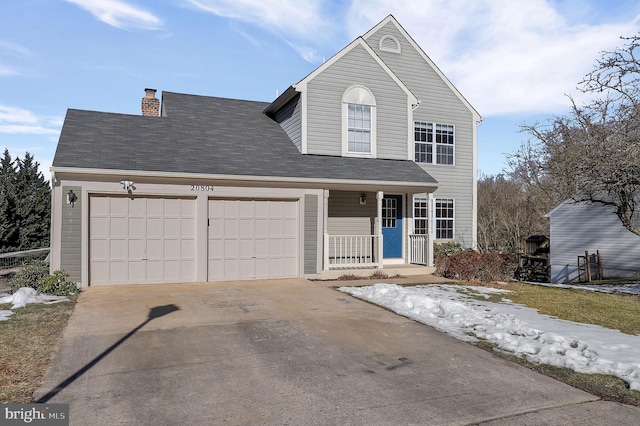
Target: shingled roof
210, 135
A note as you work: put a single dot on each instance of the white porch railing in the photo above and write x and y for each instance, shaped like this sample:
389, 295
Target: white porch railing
419, 249
344, 251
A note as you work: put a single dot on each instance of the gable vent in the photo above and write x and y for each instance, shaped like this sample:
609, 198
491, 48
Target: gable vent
389, 43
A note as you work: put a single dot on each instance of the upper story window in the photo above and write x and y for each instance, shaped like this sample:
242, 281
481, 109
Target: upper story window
358, 122
434, 143
359, 128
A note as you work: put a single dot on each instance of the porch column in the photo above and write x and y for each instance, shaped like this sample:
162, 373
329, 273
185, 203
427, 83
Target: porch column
430, 229
325, 231
379, 197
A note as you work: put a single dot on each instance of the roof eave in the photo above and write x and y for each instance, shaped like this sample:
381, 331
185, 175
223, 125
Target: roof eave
405, 186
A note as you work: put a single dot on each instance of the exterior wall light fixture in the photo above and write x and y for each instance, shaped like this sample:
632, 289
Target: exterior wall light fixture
72, 198
363, 199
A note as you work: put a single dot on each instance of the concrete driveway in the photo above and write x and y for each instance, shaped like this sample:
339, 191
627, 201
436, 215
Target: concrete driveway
288, 352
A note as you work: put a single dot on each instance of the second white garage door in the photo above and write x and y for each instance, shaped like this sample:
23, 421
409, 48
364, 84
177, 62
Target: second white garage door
251, 239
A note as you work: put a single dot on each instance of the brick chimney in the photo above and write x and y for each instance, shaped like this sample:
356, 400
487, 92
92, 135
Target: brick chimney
150, 104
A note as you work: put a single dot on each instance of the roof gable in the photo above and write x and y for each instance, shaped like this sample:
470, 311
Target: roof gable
392, 20
301, 85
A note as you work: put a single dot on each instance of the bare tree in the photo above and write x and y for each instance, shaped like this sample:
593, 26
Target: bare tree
508, 212
593, 154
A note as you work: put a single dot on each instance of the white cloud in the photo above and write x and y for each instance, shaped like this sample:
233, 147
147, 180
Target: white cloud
120, 14
14, 48
7, 71
21, 121
302, 25
506, 57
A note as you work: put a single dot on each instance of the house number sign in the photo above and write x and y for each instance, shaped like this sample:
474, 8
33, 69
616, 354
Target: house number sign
202, 187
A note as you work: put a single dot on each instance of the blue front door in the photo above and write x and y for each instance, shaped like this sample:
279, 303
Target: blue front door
392, 226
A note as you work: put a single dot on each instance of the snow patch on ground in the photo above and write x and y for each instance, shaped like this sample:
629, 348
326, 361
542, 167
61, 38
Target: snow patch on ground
513, 328
600, 288
25, 296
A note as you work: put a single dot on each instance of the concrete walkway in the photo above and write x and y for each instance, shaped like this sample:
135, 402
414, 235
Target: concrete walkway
288, 352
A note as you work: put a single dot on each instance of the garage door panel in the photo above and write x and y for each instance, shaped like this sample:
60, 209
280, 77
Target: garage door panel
99, 226
172, 207
262, 228
118, 227
118, 249
171, 249
231, 208
141, 240
99, 206
136, 249
118, 271
251, 239
154, 270
290, 247
261, 248
216, 249
136, 208
136, 226
246, 228
246, 249
154, 249
137, 270
290, 265
231, 228
188, 268
99, 249
275, 248
187, 250
290, 228
188, 228
171, 227
231, 249
155, 207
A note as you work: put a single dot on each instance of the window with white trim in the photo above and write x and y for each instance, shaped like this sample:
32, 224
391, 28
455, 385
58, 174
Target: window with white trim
444, 217
358, 122
359, 128
433, 143
420, 216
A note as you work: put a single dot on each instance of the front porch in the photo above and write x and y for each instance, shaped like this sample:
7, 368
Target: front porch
369, 231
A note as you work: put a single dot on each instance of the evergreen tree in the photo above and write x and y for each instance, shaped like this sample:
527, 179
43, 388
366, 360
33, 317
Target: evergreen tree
33, 201
9, 227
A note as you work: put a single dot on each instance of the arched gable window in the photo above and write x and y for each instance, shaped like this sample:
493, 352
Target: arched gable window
389, 43
358, 122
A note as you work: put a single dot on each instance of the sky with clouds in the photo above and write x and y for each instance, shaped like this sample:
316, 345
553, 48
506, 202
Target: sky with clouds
515, 61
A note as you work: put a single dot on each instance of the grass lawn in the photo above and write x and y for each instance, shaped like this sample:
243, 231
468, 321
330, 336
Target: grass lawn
28, 340
614, 311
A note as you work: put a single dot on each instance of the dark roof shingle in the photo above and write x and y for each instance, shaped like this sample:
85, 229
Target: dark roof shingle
210, 135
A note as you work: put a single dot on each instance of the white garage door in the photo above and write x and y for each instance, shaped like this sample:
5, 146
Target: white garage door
252, 239
141, 240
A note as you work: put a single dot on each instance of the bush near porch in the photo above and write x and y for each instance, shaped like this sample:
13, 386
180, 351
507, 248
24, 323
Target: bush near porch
473, 266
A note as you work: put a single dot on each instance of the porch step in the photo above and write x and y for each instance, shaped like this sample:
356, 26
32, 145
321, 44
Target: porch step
390, 271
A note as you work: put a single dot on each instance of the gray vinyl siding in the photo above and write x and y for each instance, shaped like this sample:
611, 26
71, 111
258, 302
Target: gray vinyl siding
579, 227
70, 248
439, 104
324, 106
310, 234
348, 217
290, 119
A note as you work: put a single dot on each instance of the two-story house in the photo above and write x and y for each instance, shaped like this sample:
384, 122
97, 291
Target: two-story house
364, 163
